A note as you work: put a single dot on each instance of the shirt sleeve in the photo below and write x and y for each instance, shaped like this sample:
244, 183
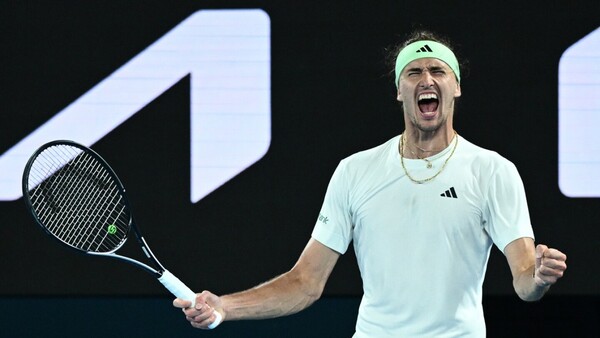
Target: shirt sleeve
507, 215
333, 227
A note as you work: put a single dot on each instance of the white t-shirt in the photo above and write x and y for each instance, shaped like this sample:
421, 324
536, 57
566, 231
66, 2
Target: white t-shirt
422, 249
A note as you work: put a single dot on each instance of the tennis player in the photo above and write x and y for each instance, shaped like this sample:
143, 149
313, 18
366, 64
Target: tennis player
423, 211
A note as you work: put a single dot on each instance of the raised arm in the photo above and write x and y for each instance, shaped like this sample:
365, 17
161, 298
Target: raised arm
534, 268
286, 294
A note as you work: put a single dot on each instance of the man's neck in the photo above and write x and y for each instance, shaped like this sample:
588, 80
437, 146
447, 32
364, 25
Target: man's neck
421, 144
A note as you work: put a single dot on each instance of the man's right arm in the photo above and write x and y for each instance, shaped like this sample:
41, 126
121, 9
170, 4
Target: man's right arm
286, 294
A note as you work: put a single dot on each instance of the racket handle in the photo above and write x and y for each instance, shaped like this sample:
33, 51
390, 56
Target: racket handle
181, 290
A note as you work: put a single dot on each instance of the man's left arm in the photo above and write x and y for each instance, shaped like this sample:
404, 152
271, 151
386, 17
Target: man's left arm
534, 268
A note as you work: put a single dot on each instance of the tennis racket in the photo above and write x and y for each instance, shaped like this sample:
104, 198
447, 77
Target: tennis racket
75, 196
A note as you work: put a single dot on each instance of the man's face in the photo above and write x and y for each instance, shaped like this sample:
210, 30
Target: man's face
427, 89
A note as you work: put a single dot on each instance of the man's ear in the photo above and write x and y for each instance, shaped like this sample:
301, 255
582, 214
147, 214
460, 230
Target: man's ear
457, 93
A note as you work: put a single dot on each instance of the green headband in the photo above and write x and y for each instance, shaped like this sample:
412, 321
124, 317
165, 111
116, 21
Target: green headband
426, 49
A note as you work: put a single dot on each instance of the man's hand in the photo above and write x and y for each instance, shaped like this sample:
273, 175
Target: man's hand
550, 265
204, 315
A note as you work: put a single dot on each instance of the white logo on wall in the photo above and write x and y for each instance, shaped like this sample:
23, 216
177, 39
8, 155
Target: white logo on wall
227, 55
579, 118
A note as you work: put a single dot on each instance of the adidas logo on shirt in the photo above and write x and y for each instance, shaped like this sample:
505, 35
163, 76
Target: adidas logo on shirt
451, 193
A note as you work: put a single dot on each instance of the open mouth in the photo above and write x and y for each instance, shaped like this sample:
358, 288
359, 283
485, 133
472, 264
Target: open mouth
428, 103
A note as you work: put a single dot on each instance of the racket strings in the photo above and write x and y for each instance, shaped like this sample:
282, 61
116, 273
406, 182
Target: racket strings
85, 211
80, 213
77, 199
80, 208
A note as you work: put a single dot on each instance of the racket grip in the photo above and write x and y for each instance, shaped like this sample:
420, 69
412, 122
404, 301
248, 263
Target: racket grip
181, 290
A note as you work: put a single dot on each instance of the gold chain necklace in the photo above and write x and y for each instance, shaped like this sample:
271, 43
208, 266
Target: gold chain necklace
429, 164
432, 177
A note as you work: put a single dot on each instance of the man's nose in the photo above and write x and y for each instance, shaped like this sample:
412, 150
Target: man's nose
426, 80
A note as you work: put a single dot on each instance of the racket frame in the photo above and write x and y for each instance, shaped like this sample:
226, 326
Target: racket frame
172, 283
158, 268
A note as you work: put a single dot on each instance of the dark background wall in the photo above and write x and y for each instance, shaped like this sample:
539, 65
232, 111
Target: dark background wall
331, 96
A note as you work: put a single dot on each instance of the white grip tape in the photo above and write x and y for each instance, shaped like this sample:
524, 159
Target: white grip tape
181, 290
177, 287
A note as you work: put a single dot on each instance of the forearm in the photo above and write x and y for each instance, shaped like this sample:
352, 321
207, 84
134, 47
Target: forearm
283, 295
526, 286
534, 268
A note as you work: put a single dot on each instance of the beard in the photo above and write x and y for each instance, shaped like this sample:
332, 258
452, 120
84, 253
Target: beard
429, 128
426, 126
